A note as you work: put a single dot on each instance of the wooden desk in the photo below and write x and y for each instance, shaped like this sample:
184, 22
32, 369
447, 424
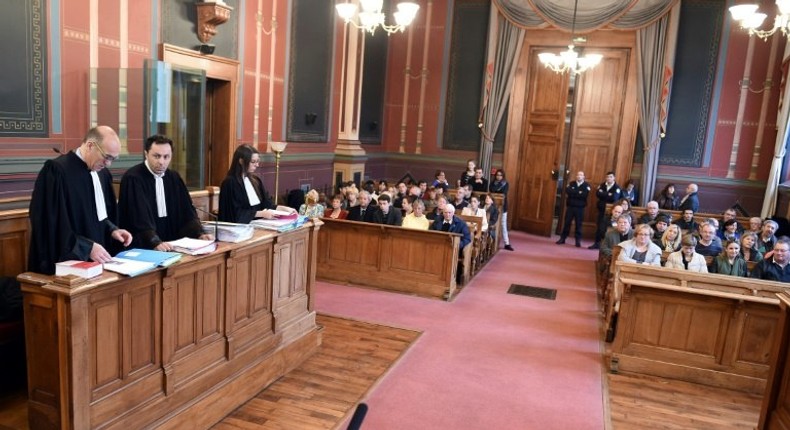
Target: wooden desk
179, 347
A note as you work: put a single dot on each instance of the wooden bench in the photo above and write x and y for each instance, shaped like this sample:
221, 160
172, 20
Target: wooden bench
499, 201
699, 217
710, 329
420, 262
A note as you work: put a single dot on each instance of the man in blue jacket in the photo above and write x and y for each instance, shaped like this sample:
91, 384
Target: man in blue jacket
451, 223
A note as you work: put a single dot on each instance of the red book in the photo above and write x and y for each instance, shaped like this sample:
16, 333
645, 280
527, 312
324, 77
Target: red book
83, 269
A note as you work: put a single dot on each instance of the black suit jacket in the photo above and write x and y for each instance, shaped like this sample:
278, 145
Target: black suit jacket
393, 217
372, 214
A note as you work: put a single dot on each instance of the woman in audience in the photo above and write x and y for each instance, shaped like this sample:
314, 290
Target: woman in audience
667, 198
641, 249
441, 178
730, 262
626, 205
336, 211
416, 219
749, 247
469, 175
382, 187
687, 258
730, 231
670, 240
491, 212
755, 224
475, 210
500, 185
630, 192
311, 208
351, 198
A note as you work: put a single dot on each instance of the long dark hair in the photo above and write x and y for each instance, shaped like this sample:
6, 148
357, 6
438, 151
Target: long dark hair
498, 171
244, 154
665, 191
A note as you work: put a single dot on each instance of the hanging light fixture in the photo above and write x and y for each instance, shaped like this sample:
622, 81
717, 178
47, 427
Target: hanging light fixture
749, 19
371, 17
569, 61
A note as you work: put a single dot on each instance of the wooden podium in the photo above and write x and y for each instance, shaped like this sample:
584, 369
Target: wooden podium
179, 347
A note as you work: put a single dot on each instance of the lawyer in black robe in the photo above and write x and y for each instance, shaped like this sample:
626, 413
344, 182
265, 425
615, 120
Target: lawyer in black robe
234, 203
138, 211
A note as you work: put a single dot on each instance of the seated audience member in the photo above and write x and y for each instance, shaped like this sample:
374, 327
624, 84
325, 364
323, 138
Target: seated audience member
389, 214
670, 240
690, 200
479, 183
365, 211
749, 247
730, 262
416, 220
641, 249
429, 200
407, 205
403, 191
460, 199
352, 199
660, 226
451, 223
491, 212
630, 192
441, 202
686, 222
667, 199
730, 214
311, 208
729, 230
468, 175
415, 191
608, 224
755, 225
423, 186
715, 223
242, 196
383, 186
708, 245
775, 268
441, 178
370, 187
687, 258
616, 235
441, 190
626, 205
474, 209
336, 211
154, 203
651, 215
767, 239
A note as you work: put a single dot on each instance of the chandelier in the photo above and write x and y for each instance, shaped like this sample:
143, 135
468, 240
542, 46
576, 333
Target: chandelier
749, 19
371, 17
569, 61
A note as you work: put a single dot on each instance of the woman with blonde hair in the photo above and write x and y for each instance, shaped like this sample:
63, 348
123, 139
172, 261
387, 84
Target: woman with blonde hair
311, 208
670, 241
641, 248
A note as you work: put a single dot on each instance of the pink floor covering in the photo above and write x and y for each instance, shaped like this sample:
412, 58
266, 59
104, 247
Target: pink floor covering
491, 360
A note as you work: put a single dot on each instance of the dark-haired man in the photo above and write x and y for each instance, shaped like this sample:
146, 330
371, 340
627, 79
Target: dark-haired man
154, 203
607, 192
576, 194
389, 214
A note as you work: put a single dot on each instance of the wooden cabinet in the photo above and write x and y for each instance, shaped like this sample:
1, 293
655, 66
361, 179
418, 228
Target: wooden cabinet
205, 334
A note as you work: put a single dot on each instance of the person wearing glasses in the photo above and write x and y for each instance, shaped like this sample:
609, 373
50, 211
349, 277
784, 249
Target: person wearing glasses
72, 209
242, 197
154, 203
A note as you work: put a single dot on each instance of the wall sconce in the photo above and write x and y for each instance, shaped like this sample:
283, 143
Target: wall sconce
278, 148
310, 117
211, 14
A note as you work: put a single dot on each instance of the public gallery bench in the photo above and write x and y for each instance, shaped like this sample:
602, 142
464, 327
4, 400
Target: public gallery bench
699, 217
420, 262
705, 328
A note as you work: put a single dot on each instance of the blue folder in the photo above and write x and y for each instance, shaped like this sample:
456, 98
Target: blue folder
160, 258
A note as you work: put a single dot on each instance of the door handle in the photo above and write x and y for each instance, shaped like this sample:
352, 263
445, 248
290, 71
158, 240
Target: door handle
555, 175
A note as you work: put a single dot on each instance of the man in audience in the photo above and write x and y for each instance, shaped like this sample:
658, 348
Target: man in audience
727, 215
575, 201
389, 215
690, 200
767, 239
460, 198
756, 225
651, 214
403, 191
365, 212
775, 268
686, 222
154, 203
610, 222
423, 185
73, 209
607, 192
708, 245
451, 223
620, 233
479, 183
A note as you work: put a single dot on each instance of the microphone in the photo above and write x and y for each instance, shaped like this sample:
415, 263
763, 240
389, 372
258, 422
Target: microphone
216, 221
57, 151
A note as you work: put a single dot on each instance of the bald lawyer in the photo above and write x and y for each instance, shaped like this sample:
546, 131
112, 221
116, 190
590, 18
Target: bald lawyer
154, 204
72, 209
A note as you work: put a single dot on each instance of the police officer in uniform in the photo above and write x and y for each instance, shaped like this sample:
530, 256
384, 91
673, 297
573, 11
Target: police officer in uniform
575, 201
607, 192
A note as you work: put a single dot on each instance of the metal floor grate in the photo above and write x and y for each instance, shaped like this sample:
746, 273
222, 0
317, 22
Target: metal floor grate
541, 293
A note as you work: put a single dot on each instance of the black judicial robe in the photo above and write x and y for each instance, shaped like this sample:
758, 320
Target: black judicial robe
63, 218
137, 208
234, 205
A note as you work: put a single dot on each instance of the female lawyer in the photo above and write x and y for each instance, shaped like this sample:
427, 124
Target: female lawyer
242, 196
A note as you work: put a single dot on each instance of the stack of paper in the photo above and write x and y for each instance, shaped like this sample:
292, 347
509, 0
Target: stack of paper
191, 246
228, 231
83, 269
159, 258
283, 223
128, 267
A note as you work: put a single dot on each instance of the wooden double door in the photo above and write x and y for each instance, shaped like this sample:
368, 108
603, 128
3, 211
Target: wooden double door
591, 128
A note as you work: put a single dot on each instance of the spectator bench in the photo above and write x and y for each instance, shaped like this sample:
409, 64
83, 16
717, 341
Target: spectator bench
699, 217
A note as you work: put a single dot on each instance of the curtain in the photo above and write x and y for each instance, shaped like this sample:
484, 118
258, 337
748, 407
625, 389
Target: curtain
783, 133
654, 59
504, 47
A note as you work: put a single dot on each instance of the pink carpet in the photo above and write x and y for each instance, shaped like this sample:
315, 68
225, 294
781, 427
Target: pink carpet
491, 360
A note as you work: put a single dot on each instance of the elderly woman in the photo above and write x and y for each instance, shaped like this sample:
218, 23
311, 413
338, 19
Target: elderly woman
687, 258
670, 240
730, 262
749, 247
416, 219
336, 211
641, 249
311, 208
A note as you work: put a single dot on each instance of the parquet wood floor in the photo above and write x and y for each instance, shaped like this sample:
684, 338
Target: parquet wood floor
646, 402
326, 388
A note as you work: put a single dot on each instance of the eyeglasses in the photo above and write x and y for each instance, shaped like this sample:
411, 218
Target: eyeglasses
107, 158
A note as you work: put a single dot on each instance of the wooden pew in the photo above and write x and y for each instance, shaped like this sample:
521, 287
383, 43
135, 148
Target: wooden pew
700, 217
499, 201
705, 328
421, 262
479, 241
